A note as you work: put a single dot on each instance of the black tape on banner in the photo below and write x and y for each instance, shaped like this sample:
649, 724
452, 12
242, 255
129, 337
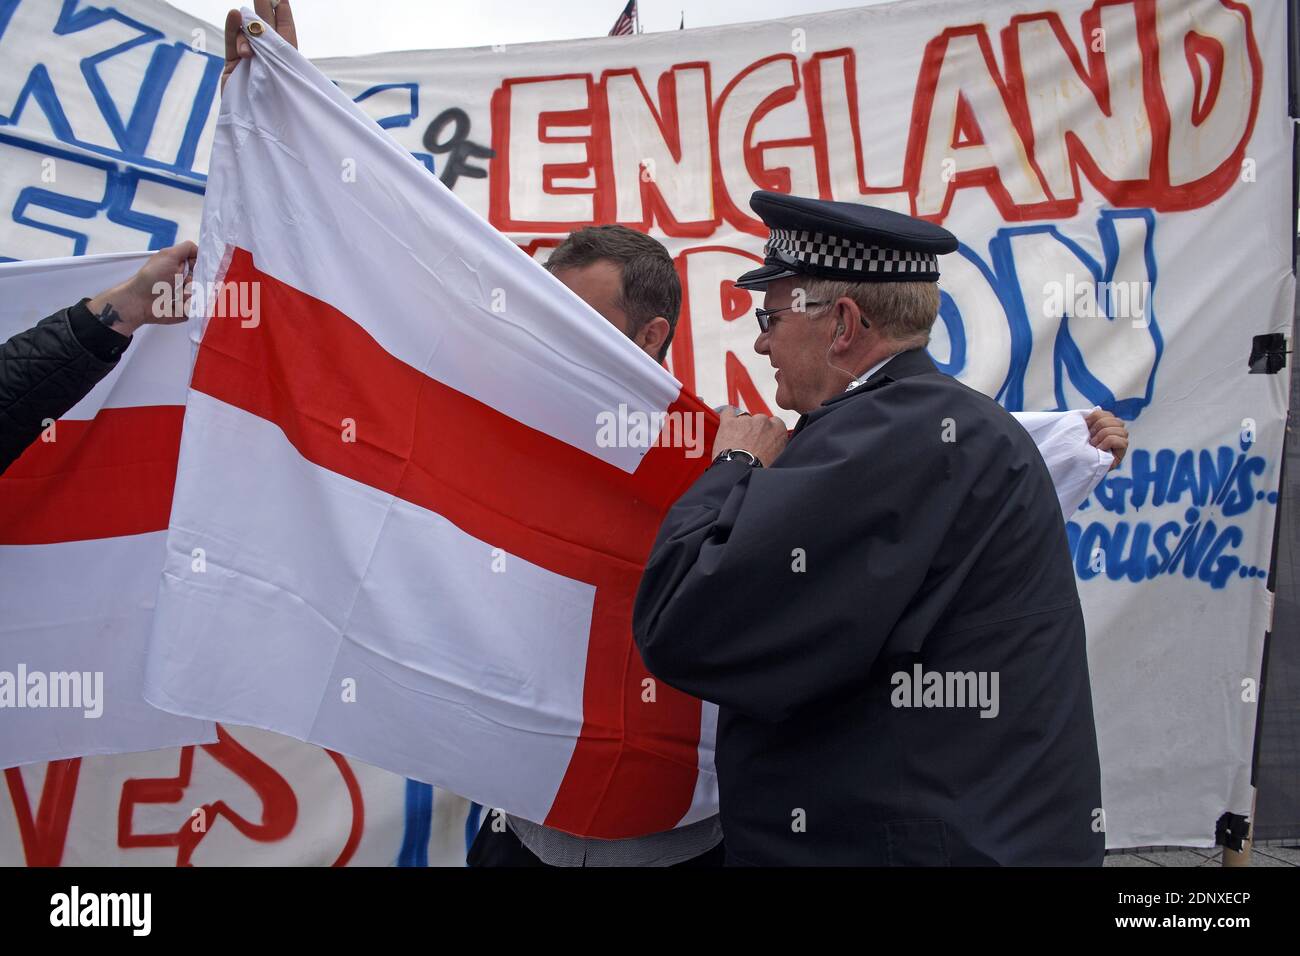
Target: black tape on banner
1268, 354
1231, 831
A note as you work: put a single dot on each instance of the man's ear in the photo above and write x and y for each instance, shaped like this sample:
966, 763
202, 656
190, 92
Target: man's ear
652, 336
846, 317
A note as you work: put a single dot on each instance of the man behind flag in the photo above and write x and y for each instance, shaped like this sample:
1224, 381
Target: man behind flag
630, 280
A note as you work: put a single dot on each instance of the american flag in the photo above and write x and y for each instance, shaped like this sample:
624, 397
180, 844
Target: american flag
623, 26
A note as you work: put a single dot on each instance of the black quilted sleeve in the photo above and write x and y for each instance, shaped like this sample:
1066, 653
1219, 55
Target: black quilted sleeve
46, 370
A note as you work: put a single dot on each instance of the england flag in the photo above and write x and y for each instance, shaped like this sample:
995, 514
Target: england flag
400, 530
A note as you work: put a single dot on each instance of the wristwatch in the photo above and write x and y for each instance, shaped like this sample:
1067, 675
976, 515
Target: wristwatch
738, 454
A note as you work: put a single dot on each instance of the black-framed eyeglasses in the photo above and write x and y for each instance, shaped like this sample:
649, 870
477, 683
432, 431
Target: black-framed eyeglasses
764, 316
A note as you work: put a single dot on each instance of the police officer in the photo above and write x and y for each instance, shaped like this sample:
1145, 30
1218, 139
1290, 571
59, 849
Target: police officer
884, 608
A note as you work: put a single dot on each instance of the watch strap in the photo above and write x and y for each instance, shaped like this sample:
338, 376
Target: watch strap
738, 454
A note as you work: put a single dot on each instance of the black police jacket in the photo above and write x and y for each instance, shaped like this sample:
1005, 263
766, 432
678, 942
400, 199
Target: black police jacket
888, 620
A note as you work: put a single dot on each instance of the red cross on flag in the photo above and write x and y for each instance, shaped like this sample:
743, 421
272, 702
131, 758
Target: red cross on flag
399, 529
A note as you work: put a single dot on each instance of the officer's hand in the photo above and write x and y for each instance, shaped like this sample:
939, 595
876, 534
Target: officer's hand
1108, 433
156, 295
761, 436
279, 18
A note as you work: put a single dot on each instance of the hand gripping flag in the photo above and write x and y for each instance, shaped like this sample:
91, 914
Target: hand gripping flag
398, 530
83, 523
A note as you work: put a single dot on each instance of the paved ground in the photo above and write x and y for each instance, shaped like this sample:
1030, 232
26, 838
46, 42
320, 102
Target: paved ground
1192, 856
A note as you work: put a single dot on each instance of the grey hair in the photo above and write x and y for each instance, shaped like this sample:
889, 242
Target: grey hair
903, 312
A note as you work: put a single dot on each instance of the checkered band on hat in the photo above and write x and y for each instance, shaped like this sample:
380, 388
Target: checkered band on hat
832, 252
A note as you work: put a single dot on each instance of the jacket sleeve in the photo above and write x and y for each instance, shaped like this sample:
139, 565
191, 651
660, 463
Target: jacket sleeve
47, 369
769, 588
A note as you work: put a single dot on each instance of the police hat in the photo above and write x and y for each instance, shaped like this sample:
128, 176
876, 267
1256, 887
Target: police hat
845, 241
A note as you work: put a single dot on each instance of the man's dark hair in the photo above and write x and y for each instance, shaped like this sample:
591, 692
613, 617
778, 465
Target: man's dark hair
650, 283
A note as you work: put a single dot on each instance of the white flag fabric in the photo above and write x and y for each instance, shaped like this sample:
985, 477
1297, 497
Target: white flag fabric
399, 529
1062, 440
83, 521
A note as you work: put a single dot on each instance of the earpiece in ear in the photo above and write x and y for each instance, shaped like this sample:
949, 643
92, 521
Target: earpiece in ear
839, 329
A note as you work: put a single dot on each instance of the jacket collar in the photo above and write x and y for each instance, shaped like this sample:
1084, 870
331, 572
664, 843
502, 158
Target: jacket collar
903, 365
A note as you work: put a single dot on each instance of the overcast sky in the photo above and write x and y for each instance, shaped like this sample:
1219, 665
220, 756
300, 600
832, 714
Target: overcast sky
352, 27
